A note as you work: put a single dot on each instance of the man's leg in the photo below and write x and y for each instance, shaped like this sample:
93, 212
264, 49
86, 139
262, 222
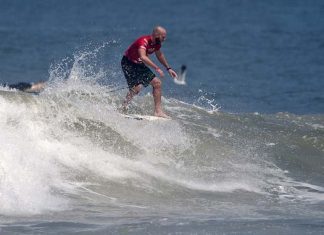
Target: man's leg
131, 93
157, 93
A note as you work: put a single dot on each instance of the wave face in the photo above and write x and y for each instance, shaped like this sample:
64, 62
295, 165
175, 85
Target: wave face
68, 151
67, 156
69, 162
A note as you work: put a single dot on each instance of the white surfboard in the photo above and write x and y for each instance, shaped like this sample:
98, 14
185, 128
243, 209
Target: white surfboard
145, 117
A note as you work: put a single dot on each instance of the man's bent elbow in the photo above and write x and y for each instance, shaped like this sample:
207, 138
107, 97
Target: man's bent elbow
143, 58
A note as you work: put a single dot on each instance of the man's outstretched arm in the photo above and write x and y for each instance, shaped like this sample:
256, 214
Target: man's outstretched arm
163, 61
146, 60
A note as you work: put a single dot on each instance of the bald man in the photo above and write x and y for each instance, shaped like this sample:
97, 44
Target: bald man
137, 66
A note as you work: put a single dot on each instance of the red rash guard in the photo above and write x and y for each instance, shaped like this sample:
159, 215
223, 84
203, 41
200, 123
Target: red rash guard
144, 42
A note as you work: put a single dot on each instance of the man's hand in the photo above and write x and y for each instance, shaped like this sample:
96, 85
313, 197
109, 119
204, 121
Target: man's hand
160, 72
172, 73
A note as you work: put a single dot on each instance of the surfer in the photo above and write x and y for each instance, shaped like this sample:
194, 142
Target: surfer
28, 87
136, 67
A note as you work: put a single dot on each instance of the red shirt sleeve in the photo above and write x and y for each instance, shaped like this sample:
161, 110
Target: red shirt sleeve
143, 42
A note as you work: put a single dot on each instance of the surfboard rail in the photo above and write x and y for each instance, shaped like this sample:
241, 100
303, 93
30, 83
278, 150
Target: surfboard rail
145, 117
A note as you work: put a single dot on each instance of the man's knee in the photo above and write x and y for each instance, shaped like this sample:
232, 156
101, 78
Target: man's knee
156, 83
136, 89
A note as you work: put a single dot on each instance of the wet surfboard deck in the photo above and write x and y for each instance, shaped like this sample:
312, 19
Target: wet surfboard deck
145, 117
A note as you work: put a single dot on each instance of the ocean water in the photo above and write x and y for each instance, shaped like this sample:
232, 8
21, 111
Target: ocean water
243, 153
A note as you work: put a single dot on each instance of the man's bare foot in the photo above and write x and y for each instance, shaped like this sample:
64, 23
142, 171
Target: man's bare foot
123, 109
161, 114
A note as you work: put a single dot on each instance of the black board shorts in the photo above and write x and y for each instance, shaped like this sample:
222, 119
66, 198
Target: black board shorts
136, 74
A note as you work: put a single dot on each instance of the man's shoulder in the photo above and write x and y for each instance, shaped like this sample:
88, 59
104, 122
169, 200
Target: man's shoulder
144, 38
142, 41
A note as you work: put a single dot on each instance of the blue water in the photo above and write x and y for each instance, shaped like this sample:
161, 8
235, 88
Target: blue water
250, 56
242, 155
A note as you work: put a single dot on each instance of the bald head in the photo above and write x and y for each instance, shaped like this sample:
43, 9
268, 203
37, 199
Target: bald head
159, 32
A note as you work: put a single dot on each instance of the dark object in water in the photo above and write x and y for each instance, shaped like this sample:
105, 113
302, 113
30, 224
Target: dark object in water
183, 69
28, 87
20, 86
181, 79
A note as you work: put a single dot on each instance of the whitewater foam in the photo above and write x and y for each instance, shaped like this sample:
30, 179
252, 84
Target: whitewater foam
70, 148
